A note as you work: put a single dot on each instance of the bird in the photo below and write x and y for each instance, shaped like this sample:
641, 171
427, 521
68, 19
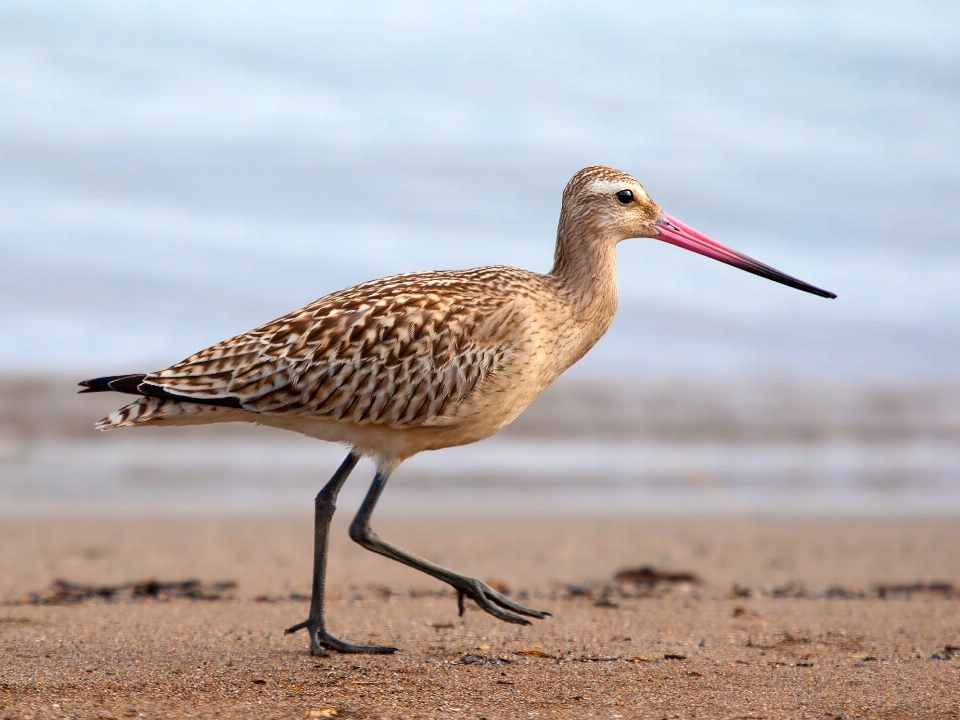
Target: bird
420, 361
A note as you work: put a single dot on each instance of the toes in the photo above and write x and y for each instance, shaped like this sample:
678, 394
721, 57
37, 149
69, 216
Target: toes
328, 640
318, 651
508, 604
492, 602
486, 598
351, 649
517, 607
498, 612
321, 642
299, 626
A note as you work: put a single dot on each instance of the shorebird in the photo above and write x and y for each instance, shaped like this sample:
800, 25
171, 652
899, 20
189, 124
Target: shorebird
421, 361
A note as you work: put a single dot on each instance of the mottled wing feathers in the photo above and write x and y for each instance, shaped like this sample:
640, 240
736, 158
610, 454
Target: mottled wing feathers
403, 351
151, 410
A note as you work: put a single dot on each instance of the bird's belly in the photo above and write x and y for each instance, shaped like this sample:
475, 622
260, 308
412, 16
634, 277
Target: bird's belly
487, 411
378, 440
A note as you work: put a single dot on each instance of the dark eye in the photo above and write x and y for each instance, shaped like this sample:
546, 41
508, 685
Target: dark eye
625, 197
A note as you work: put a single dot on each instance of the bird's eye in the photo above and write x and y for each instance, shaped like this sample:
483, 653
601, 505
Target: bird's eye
625, 197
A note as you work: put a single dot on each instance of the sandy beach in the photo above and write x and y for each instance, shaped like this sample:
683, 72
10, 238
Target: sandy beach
769, 618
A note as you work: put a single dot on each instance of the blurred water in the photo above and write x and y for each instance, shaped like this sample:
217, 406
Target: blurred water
581, 447
173, 173
140, 474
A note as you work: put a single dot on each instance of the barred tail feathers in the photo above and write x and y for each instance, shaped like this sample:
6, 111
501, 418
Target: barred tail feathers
149, 410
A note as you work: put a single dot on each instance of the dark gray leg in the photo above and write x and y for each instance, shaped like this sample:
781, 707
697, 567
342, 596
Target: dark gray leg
324, 507
482, 594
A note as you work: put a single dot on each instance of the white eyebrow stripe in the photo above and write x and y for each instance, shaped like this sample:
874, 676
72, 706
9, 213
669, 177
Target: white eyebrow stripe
614, 186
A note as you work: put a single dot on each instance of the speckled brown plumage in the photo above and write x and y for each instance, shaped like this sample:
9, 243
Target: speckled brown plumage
403, 351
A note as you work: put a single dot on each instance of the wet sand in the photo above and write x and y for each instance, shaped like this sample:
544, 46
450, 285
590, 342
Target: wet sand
790, 618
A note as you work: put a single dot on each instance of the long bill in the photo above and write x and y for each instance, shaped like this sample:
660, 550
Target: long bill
677, 233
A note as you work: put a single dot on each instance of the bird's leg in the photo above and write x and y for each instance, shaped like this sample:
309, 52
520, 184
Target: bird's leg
324, 507
482, 594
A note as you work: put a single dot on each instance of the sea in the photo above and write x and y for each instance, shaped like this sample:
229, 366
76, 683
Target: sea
174, 173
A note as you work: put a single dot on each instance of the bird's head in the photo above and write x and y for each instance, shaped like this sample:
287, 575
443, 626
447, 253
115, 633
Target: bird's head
611, 203
607, 203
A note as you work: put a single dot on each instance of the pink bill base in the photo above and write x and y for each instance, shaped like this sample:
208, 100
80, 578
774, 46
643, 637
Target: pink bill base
677, 233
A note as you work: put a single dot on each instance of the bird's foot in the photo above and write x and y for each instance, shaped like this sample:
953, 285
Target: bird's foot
489, 600
321, 642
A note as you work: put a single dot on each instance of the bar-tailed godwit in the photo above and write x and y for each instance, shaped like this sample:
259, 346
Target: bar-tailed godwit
421, 361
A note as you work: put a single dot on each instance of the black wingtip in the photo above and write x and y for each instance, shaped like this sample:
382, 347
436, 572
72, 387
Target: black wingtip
160, 392
134, 385
129, 384
113, 383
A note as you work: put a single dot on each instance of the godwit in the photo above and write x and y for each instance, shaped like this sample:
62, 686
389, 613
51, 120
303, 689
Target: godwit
419, 362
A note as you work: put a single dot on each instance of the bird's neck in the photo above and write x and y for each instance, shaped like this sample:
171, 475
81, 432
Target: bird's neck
585, 266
